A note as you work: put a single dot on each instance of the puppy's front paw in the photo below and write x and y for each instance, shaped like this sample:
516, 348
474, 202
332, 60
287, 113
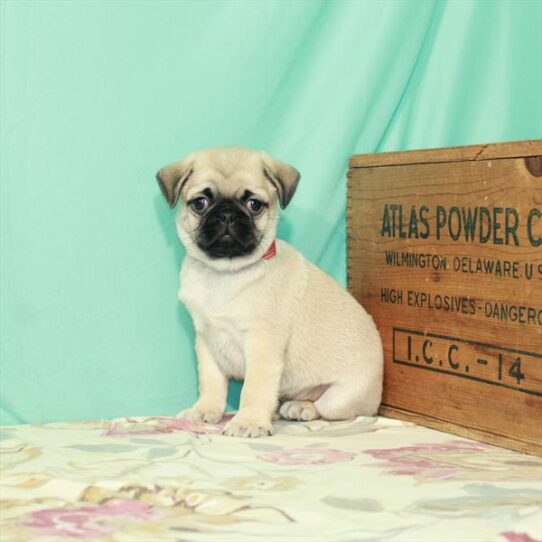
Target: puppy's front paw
244, 427
200, 414
299, 410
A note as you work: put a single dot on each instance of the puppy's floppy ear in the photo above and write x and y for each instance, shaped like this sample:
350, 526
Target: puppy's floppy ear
282, 176
173, 177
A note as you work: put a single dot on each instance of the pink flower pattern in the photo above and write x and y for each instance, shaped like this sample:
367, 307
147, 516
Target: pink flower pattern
518, 537
160, 425
306, 456
89, 521
426, 460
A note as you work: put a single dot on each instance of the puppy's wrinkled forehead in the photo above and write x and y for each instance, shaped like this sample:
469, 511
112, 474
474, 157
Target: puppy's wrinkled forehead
228, 173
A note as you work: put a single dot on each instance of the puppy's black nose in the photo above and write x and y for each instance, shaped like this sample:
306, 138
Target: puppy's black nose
226, 217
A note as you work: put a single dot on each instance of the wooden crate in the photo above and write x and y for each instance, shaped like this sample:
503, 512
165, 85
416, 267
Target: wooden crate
445, 251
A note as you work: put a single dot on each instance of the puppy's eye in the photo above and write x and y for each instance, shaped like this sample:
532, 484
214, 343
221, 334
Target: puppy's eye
255, 206
199, 205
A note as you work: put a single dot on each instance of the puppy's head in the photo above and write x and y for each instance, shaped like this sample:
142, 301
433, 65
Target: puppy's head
229, 214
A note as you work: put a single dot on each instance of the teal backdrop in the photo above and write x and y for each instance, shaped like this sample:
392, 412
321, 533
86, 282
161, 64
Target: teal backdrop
97, 96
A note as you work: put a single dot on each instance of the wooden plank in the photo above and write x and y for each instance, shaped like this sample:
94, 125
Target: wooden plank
446, 427
488, 151
458, 300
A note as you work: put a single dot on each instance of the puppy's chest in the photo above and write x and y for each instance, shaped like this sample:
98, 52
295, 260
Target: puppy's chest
219, 313
211, 299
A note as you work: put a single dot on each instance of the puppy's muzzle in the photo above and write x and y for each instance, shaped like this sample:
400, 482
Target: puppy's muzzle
227, 231
226, 218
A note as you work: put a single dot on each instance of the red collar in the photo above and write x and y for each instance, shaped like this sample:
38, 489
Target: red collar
271, 251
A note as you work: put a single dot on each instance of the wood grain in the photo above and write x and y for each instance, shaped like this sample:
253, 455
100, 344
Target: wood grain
462, 340
446, 427
487, 151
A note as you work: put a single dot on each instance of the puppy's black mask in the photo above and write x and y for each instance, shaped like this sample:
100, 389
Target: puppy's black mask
227, 230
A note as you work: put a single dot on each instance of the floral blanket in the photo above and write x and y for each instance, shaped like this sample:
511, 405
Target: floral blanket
369, 479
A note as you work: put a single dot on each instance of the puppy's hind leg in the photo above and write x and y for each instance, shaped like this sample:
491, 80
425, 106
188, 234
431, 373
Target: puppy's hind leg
299, 410
348, 399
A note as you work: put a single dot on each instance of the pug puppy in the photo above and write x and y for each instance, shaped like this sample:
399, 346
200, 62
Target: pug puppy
261, 311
